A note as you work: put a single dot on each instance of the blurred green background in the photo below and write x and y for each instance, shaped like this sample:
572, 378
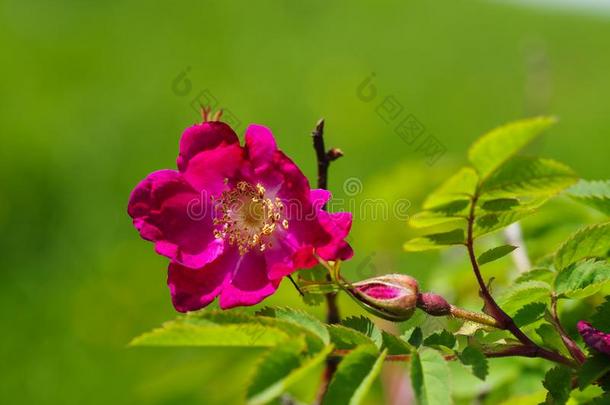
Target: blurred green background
90, 105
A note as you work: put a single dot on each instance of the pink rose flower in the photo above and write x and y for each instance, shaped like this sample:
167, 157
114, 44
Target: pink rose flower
234, 220
594, 338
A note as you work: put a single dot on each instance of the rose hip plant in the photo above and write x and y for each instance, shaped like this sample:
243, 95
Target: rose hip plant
235, 220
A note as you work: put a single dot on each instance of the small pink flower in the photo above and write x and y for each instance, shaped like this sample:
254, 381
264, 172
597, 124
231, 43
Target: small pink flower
234, 220
594, 338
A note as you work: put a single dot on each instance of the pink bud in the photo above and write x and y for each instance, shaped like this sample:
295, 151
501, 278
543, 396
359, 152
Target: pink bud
433, 304
392, 296
594, 338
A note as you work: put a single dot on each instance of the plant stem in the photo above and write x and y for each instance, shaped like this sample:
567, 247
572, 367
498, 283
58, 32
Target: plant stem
568, 342
477, 317
529, 348
332, 309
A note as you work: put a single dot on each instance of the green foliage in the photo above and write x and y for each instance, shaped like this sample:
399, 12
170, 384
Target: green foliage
435, 241
590, 241
530, 313
354, 376
279, 368
190, 332
476, 361
495, 254
430, 378
594, 367
443, 338
347, 338
500, 144
521, 294
582, 279
395, 345
601, 317
544, 275
315, 274
459, 187
299, 318
596, 194
365, 326
551, 338
417, 337
526, 176
556, 381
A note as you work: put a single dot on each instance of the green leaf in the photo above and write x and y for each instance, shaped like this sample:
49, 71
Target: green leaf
525, 176
556, 382
347, 338
590, 241
500, 204
427, 219
583, 279
530, 313
365, 326
300, 318
430, 378
493, 221
593, 369
443, 338
601, 318
551, 338
395, 345
595, 194
460, 186
545, 275
354, 376
316, 274
280, 368
435, 241
416, 337
499, 145
473, 357
495, 254
519, 295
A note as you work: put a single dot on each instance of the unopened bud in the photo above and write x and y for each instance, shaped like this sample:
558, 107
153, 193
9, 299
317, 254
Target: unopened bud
433, 304
392, 296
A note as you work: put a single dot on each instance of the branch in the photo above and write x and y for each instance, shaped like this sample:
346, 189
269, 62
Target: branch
332, 312
529, 348
568, 342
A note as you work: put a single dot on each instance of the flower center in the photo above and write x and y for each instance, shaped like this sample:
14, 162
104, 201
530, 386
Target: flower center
247, 217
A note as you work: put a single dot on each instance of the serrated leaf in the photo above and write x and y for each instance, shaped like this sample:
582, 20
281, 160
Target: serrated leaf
435, 241
595, 194
365, 326
519, 295
354, 376
416, 337
590, 241
347, 338
443, 338
183, 333
556, 382
601, 318
426, 219
545, 275
500, 204
497, 146
492, 221
460, 186
430, 378
279, 368
495, 254
526, 176
395, 345
593, 369
300, 318
582, 279
316, 274
551, 338
476, 360
530, 313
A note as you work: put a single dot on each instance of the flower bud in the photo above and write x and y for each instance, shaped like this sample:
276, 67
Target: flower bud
433, 304
392, 296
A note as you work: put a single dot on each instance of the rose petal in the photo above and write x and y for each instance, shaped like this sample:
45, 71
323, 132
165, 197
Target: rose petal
260, 146
202, 137
167, 211
249, 284
193, 289
338, 226
208, 170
